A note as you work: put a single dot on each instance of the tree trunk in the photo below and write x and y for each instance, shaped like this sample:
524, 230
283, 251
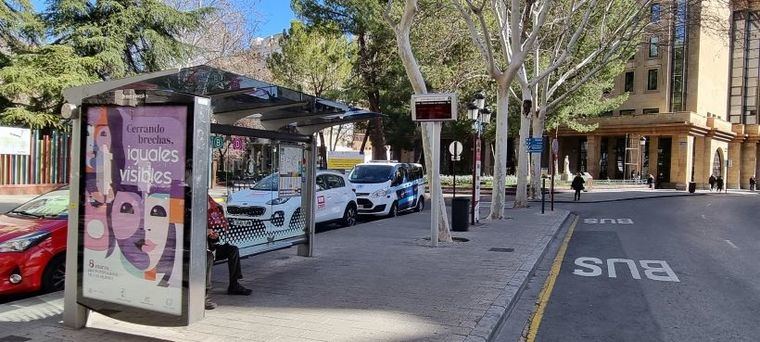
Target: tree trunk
500, 163
521, 196
538, 132
369, 76
417, 81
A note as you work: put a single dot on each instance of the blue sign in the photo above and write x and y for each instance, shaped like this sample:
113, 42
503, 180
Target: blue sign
535, 145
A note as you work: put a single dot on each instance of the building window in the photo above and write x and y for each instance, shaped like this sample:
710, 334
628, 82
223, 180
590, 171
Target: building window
629, 81
652, 80
654, 12
651, 110
627, 111
679, 55
654, 42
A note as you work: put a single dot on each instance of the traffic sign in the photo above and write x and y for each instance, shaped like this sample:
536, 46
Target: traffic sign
534, 145
455, 148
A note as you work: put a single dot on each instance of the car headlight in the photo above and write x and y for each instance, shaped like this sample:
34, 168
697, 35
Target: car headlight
379, 193
23, 242
278, 200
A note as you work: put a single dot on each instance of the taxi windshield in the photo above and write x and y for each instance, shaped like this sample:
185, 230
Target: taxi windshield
52, 204
371, 174
268, 183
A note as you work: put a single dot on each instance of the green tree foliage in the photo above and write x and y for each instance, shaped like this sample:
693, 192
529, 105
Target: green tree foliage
82, 41
123, 37
34, 81
19, 26
314, 60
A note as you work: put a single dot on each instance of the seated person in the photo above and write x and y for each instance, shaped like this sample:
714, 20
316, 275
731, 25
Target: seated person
216, 251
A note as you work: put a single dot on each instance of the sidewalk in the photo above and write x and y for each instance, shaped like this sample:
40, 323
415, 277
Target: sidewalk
610, 195
376, 281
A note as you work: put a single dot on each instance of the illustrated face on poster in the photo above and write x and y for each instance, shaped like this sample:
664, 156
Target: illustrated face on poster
134, 206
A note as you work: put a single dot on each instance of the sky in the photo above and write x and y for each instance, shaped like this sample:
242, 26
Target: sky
273, 16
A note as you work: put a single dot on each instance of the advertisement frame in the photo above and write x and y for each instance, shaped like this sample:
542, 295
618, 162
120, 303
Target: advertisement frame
193, 128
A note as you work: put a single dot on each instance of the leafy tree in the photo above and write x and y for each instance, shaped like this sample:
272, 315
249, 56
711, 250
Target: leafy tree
362, 19
316, 60
19, 26
33, 83
312, 60
123, 37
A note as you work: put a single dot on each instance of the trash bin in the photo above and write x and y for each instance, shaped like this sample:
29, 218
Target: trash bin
692, 187
460, 214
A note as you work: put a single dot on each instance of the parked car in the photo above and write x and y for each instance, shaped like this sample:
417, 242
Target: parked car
385, 188
335, 202
33, 244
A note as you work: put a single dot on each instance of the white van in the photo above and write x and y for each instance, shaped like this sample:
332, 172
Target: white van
384, 188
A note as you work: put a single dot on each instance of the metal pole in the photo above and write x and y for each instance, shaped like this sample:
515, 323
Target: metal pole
434, 132
554, 157
543, 194
474, 176
454, 170
74, 315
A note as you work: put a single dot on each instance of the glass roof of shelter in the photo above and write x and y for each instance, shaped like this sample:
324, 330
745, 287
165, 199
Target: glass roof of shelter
235, 96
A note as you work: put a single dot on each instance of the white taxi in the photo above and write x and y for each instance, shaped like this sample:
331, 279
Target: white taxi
335, 202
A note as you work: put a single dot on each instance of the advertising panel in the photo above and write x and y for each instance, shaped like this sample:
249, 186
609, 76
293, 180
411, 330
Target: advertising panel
15, 140
343, 160
133, 221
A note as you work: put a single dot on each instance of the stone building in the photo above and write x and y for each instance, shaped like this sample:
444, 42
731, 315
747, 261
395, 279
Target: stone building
692, 105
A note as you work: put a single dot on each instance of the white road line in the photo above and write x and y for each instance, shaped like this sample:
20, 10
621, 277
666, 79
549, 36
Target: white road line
703, 217
732, 244
709, 204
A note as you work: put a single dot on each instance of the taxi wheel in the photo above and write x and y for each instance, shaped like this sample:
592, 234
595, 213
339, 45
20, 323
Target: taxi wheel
420, 205
393, 212
349, 216
55, 274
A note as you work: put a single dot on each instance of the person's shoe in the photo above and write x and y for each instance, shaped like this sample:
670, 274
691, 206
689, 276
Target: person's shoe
210, 305
238, 289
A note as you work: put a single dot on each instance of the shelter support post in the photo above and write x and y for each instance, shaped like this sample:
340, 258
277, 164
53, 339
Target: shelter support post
74, 315
309, 188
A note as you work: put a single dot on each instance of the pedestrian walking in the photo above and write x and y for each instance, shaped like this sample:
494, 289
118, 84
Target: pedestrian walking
650, 180
719, 183
752, 183
577, 185
712, 182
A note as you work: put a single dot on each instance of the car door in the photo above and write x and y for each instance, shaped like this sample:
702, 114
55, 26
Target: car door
336, 201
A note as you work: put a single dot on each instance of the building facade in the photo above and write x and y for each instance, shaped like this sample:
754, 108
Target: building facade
692, 105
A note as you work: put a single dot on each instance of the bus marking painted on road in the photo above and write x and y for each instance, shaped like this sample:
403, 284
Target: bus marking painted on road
653, 269
731, 244
607, 221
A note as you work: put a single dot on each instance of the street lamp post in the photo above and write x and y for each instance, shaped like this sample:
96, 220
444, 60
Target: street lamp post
480, 116
642, 143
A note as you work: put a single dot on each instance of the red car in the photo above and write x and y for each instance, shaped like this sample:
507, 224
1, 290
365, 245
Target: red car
33, 245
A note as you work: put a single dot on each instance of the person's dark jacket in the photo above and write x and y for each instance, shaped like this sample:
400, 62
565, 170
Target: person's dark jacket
577, 183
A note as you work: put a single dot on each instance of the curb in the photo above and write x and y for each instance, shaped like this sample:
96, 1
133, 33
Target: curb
625, 199
488, 325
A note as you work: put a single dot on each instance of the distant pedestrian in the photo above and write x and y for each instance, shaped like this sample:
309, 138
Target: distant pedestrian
650, 181
577, 185
712, 181
719, 183
752, 183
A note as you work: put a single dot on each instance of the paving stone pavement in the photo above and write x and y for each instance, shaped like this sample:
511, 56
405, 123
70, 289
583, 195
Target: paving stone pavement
377, 281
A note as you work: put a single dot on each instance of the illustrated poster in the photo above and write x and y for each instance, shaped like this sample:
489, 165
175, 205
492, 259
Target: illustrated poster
134, 206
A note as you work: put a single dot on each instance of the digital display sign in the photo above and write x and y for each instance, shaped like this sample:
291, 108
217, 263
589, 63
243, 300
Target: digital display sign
434, 107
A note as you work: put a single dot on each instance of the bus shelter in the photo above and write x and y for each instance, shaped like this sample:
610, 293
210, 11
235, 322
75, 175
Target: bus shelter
142, 150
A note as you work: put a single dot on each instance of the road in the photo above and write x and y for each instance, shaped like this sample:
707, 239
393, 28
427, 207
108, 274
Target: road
664, 269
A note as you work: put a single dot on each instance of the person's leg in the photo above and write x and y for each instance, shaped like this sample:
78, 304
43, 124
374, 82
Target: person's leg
209, 264
232, 254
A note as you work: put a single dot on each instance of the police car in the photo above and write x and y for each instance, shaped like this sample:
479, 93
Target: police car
335, 202
385, 188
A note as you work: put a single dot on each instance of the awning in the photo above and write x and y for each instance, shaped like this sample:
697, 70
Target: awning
235, 96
